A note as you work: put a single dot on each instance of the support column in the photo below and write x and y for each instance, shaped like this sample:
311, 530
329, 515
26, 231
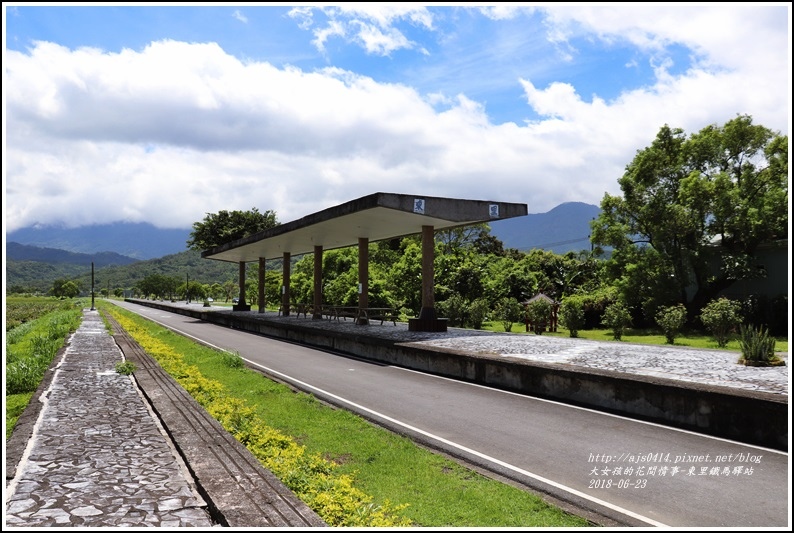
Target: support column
285, 284
428, 321
363, 278
241, 305
428, 273
318, 283
262, 284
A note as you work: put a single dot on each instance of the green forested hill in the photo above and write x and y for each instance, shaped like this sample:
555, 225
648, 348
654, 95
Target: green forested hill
33, 276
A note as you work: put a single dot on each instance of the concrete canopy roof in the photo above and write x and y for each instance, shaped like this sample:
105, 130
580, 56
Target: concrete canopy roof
377, 217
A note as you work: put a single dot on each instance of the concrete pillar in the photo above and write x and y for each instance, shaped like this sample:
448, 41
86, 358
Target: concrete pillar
427, 319
428, 257
363, 277
318, 283
285, 284
241, 305
261, 284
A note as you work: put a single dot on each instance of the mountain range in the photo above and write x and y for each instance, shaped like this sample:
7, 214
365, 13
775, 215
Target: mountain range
136, 240
564, 228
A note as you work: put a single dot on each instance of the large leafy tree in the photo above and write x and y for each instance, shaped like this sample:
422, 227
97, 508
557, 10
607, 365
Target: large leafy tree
227, 226
697, 208
63, 288
158, 285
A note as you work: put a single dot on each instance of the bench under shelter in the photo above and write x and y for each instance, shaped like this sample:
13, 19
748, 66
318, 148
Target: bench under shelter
375, 217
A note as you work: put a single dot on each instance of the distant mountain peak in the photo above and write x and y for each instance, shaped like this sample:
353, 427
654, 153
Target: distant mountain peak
139, 240
564, 228
23, 252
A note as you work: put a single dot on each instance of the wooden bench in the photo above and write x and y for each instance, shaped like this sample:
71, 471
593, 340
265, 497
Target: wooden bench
299, 308
335, 312
380, 313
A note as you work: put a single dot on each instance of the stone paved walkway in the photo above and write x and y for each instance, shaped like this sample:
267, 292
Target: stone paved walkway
98, 456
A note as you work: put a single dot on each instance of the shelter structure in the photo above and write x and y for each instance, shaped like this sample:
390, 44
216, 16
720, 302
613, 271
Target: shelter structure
371, 218
551, 323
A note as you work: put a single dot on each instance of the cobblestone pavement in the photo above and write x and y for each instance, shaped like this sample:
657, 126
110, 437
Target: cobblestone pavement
712, 367
708, 367
98, 456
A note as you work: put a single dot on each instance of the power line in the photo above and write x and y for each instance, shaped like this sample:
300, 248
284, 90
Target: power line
560, 243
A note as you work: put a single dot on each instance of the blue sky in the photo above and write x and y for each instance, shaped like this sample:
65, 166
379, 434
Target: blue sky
163, 113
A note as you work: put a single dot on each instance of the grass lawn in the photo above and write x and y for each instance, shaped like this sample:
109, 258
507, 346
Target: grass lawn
687, 339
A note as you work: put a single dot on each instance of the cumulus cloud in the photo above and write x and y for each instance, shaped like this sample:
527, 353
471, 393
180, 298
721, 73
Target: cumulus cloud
176, 130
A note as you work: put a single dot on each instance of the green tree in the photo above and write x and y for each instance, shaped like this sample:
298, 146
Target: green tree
158, 286
508, 311
456, 240
227, 226
572, 314
405, 277
455, 309
671, 319
230, 289
721, 316
538, 314
216, 291
62, 288
511, 277
478, 312
694, 202
617, 318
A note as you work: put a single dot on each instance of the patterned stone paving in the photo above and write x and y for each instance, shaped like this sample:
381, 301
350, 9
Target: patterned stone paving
99, 457
711, 367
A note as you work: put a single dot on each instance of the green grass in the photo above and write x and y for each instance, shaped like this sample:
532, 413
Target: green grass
15, 405
687, 339
439, 491
36, 328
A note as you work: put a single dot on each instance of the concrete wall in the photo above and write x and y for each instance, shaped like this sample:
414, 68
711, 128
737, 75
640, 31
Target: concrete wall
747, 416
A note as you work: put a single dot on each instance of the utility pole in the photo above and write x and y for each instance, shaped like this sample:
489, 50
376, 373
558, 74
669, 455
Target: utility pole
92, 287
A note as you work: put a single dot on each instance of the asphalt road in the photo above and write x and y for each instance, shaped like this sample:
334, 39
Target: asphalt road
632, 472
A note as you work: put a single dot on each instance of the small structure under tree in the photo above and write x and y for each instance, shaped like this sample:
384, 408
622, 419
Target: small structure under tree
546, 321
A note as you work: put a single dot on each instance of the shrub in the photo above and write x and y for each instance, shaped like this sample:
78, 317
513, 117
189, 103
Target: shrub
232, 360
758, 347
508, 312
572, 315
478, 312
721, 316
617, 318
454, 308
671, 319
125, 367
538, 314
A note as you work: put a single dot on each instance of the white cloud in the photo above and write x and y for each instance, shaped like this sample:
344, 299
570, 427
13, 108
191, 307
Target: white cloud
239, 16
176, 130
372, 26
